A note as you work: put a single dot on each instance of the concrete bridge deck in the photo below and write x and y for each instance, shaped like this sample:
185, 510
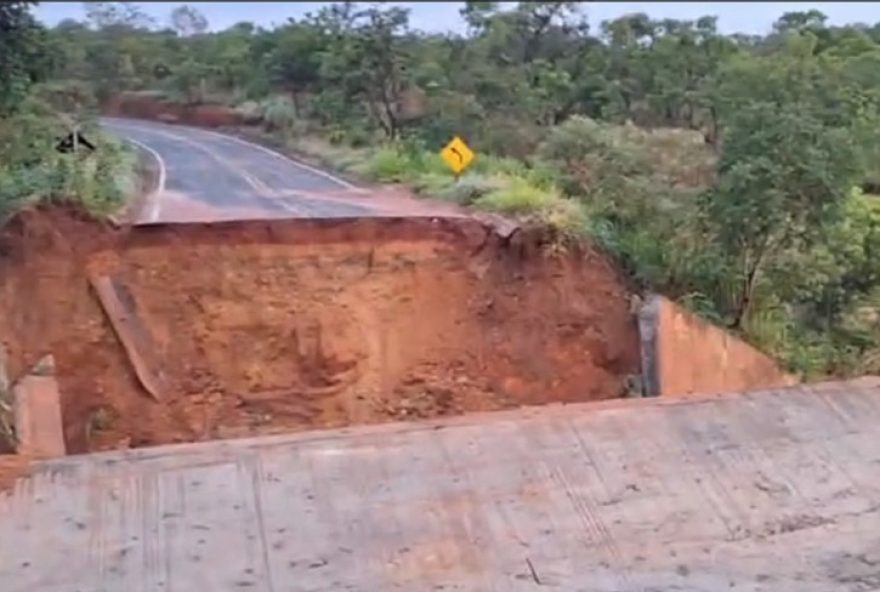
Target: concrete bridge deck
765, 491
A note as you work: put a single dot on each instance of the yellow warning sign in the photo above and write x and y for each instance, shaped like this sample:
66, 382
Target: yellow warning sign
457, 155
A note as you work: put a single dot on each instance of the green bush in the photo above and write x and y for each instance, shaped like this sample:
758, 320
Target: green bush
471, 187
32, 170
591, 159
518, 197
567, 217
499, 165
358, 137
432, 184
430, 162
73, 97
389, 165
279, 113
506, 137
540, 174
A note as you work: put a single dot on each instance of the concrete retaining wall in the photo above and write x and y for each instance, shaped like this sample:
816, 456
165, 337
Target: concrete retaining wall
685, 355
37, 409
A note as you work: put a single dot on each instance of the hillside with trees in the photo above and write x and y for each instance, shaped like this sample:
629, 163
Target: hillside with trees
733, 173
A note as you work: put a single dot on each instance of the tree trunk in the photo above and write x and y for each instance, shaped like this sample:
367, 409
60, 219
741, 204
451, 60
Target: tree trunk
294, 96
376, 115
750, 280
712, 135
745, 301
388, 104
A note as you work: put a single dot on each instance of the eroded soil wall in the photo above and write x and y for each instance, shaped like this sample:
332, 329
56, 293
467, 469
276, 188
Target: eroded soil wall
149, 107
261, 327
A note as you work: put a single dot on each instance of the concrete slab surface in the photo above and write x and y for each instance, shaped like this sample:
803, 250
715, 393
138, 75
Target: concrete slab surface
764, 491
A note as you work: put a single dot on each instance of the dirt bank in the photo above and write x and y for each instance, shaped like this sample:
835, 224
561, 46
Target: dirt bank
150, 106
260, 327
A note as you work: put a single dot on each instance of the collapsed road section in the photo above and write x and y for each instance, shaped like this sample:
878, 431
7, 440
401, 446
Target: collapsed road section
189, 332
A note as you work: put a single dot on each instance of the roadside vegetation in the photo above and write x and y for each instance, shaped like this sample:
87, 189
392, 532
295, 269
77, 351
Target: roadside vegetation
733, 173
36, 112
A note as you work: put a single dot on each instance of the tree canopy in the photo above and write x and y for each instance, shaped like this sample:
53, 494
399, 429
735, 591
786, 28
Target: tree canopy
733, 172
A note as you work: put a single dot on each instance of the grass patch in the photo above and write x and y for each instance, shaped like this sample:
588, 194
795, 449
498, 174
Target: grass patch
433, 184
518, 197
470, 188
337, 157
389, 165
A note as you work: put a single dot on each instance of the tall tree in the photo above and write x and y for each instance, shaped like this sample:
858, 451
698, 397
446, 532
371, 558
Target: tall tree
295, 62
118, 15
188, 20
23, 55
783, 176
367, 63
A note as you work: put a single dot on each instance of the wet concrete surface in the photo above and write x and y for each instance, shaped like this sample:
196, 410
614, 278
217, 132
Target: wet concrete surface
215, 174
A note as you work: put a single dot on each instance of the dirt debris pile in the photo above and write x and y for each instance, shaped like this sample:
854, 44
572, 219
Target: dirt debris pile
268, 326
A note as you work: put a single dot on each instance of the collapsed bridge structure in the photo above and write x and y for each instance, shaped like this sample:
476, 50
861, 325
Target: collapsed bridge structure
773, 490
361, 397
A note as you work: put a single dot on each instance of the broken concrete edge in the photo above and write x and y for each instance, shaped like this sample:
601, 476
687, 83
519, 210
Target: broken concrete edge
4, 372
648, 319
39, 431
497, 224
7, 407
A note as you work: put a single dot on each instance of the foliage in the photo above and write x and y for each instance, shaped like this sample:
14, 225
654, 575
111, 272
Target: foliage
32, 170
187, 20
518, 197
279, 113
719, 169
469, 188
782, 177
22, 54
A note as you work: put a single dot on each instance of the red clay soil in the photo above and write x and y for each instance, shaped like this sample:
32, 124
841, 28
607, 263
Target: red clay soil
269, 326
12, 466
149, 107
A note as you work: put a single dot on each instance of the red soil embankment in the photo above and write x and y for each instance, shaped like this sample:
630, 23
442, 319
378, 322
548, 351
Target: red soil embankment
268, 326
146, 106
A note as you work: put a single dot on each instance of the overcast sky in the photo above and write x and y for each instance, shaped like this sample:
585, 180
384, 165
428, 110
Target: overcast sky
733, 17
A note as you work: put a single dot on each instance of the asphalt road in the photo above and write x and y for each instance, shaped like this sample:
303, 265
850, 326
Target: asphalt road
208, 171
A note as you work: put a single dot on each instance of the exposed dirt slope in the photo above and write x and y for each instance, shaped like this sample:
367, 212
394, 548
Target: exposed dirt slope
273, 326
149, 106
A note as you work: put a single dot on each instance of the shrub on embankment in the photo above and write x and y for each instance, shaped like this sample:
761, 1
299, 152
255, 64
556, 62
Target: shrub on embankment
36, 113
32, 170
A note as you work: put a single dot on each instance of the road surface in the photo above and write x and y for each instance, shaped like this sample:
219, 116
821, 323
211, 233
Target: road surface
204, 174
775, 491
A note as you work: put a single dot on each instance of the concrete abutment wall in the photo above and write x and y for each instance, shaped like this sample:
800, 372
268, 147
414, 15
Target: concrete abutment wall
684, 355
